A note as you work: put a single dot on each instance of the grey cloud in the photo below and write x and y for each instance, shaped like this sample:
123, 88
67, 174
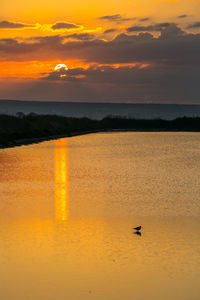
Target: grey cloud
144, 19
110, 30
8, 42
153, 83
182, 16
172, 31
194, 25
142, 36
81, 36
116, 18
13, 25
64, 25
50, 38
155, 27
103, 74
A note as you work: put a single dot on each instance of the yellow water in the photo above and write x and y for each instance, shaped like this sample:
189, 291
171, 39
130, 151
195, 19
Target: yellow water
67, 209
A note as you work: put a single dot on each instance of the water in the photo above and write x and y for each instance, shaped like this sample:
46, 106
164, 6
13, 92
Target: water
100, 110
67, 209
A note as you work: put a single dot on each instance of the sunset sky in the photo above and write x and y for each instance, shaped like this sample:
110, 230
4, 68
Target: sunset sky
115, 51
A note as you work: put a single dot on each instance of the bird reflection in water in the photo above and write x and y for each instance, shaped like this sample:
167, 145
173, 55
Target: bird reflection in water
137, 233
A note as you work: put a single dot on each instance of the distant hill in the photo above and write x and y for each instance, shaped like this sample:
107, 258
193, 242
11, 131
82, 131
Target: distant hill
98, 111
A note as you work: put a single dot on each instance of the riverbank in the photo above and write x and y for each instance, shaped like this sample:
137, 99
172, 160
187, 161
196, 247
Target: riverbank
25, 130
29, 141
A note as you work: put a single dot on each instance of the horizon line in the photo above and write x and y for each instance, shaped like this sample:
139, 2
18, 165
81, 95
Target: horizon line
85, 102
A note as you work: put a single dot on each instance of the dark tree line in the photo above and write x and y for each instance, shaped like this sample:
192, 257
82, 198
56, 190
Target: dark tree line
32, 126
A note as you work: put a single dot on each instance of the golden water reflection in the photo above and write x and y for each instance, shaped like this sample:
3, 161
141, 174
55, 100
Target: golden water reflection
110, 186
61, 181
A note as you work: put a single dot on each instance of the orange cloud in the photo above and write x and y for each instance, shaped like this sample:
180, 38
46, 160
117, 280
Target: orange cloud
32, 69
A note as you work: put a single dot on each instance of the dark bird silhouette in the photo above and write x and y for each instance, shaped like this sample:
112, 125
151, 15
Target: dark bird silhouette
138, 228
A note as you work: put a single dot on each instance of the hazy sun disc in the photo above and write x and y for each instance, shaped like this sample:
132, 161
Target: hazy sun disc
60, 66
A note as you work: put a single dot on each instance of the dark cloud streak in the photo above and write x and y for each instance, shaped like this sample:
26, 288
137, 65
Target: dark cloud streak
183, 16
81, 36
64, 25
110, 30
116, 18
156, 27
144, 19
13, 25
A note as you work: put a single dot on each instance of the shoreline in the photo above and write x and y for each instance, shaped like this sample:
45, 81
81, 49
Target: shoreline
30, 141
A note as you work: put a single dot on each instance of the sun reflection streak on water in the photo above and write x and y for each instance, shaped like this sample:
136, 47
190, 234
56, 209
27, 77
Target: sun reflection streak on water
61, 181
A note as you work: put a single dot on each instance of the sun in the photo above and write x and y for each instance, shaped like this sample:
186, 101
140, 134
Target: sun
60, 66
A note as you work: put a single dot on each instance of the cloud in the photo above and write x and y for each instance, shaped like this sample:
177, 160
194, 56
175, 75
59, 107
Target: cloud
119, 19
106, 83
166, 67
183, 16
144, 19
56, 27
101, 74
116, 18
150, 83
172, 47
110, 30
64, 25
42, 41
13, 25
155, 27
81, 36
172, 31
194, 25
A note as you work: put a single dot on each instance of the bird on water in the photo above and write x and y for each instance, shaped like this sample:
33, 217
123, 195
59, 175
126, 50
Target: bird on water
138, 228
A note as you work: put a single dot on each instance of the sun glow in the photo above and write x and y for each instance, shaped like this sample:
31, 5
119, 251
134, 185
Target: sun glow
60, 66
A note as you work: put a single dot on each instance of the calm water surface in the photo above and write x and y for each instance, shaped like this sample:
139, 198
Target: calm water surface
67, 209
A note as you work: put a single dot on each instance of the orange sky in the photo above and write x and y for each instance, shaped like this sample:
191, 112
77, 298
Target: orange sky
27, 51
41, 15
